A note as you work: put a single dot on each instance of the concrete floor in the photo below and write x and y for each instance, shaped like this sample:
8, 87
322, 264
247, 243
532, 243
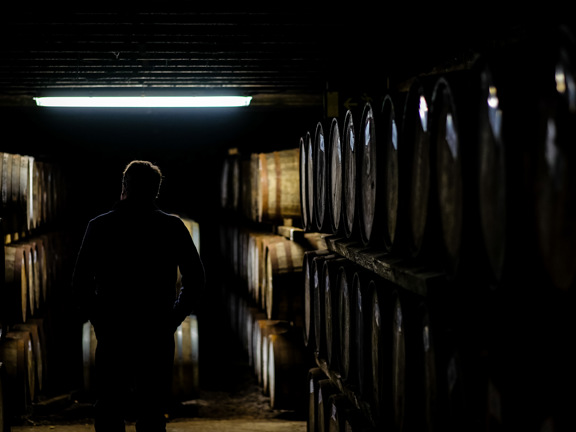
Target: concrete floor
190, 425
230, 400
237, 406
240, 409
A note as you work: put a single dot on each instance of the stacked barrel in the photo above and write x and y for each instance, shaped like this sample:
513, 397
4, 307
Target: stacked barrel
261, 202
33, 253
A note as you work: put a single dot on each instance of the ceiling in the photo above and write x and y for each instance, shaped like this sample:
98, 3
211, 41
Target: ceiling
289, 57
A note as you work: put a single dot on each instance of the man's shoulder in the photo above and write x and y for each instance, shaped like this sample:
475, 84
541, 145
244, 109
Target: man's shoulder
169, 217
102, 218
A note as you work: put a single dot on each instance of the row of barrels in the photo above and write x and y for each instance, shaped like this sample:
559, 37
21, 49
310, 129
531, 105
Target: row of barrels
33, 261
449, 362
269, 269
265, 309
262, 187
24, 356
470, 170
31, 268
274, 350
32, 272
329, 409
32, 193
354, 323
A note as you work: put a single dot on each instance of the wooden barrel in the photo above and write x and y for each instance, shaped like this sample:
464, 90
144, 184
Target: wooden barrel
331, 317
246, 186
394, 194
349, 182
310, 178
255, 314
278, 194
16, 279
446, 401
262, 328
255, 267
10, 191
284, 278
186, 373
326, 389
318, 292
5, 183
230, 182
38, 347
287, 364
88, 356
15, 197
321, 220
50, 261
361, 346
263, 243
396, 371
346, 325
42, 327
335, 178
47, 196
245, 313
29, 252
370, 179
340, 407
17, 354
380, 371
433, 402
33, 273
455, 125
314, 376
274, 327
308, 270
554, 179
506, 211
4, 293
303, 170
42, 268
34, 195
22, 200
38, 192
421, 208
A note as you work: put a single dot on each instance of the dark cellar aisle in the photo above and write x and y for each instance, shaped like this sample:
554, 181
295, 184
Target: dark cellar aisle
229, 398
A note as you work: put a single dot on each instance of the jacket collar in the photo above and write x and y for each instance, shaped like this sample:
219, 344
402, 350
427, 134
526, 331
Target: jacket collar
130, 204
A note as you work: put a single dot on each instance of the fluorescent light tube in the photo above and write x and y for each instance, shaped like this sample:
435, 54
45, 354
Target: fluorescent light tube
144, 101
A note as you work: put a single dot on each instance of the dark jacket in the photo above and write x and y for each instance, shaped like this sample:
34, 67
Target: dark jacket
127, 267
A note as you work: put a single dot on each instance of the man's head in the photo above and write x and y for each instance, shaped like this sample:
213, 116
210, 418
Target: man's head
141, 180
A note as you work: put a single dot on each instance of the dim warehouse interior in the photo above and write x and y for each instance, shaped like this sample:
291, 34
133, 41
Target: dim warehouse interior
387, 228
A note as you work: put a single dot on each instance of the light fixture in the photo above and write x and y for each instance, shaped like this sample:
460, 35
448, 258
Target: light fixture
143, 101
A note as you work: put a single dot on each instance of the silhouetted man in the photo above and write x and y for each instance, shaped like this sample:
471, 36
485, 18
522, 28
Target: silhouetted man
125, 280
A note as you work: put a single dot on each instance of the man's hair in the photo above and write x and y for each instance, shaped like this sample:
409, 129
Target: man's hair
142, 180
